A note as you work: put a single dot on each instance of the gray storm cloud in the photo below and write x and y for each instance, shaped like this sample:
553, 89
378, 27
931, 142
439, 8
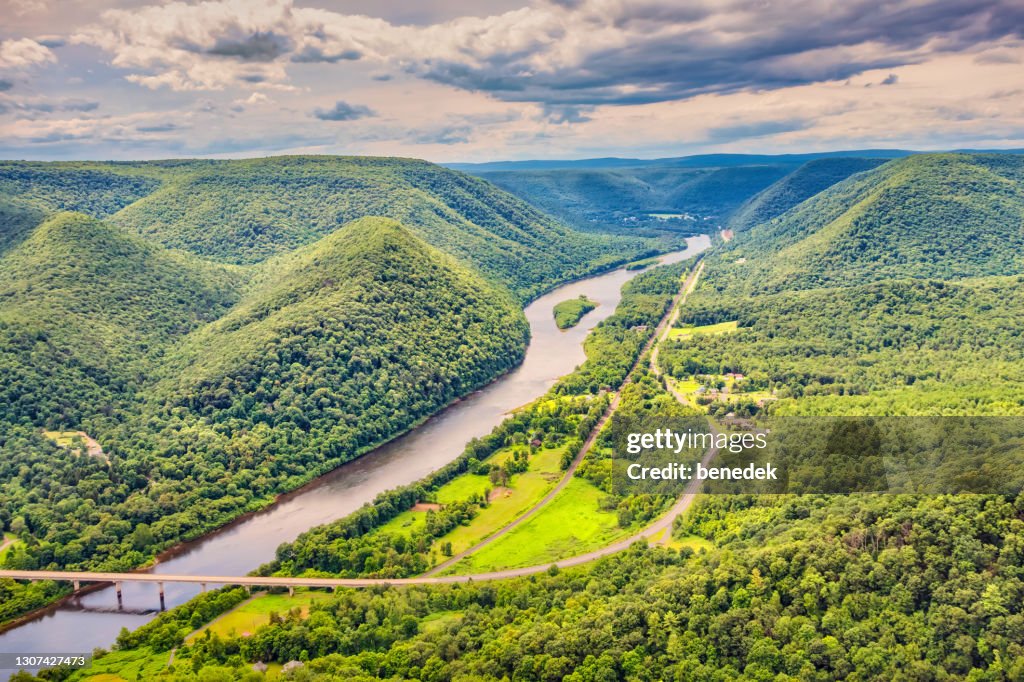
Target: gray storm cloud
588, 52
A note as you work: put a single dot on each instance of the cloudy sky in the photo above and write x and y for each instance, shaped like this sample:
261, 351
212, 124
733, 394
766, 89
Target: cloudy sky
452, 80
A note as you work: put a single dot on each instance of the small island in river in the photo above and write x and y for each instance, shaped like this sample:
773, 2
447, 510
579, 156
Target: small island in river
569, 313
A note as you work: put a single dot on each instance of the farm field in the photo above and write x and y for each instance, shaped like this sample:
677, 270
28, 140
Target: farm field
572, 523
506, 503
253, 613
689, 331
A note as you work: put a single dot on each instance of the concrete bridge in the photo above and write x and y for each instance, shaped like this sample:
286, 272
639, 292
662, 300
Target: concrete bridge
76, 578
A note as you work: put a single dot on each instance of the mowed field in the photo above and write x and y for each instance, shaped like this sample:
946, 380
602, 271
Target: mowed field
7, 545
253, 613
523, 491
688, 331
572, 523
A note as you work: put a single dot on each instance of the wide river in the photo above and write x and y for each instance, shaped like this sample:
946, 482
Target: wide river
94, 619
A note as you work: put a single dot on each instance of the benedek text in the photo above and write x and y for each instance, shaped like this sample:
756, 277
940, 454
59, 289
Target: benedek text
683, 472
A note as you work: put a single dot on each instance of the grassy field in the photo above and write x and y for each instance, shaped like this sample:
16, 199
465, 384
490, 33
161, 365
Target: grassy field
689, 331
690, 386
128, 666
685, 386
524, 491
77, 441
570, 524
439, 620
694, 542
64, 439
8, 543
251, 614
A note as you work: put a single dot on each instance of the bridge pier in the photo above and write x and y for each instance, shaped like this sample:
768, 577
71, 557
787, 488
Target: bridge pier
202, 587
291, 591
117, 587
161, 586
248, 589
76, 585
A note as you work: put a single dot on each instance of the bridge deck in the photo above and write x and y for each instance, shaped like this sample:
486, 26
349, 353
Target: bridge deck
86, 577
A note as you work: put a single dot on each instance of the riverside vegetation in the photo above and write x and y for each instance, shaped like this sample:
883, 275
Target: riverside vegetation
812, 587
229, 330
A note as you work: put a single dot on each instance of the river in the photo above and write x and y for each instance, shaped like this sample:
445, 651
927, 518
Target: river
93, 620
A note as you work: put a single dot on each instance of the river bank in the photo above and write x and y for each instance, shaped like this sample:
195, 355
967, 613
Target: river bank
85, 621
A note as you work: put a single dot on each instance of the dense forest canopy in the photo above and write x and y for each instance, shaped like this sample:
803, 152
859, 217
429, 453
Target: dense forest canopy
286, 331
937, 216
802, 184
246, 211
883, 294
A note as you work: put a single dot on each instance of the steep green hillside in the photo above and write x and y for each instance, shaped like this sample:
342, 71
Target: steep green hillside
81, 303
17, 219
314, 357
341, 345
646, 200
247, 211
798, 186
96, 189
940, 216
895, 291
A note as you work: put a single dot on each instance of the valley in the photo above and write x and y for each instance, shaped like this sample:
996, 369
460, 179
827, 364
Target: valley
521, 341
843, 290
242, 546
216, 380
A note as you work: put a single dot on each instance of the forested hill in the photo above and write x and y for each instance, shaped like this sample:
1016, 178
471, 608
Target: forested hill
896, 291
938, 216
340, 346
213, 388
83, 306
800, 185
18, 219
246, 211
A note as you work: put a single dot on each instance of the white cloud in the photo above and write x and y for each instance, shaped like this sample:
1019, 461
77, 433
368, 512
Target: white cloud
583, 77
567, 53
23, 53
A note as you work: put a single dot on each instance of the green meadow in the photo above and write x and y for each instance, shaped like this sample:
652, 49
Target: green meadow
253, 613
572, 523
690, 330
126, 666
506, 504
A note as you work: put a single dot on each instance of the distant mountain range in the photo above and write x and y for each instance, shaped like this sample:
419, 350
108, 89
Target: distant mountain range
696, 161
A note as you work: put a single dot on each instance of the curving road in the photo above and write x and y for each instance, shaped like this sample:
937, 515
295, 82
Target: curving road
431, 578
659, 335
